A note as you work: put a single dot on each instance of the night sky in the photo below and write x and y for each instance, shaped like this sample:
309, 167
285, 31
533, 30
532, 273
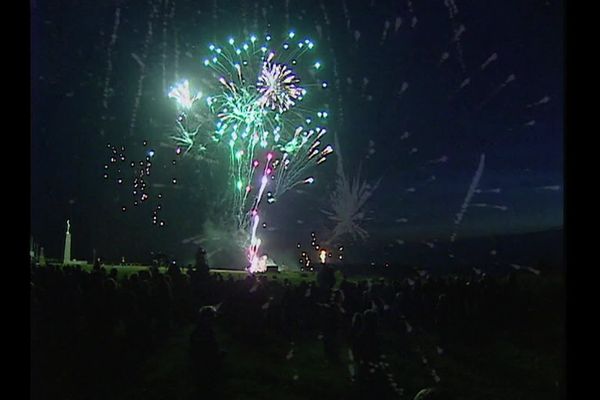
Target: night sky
425, 89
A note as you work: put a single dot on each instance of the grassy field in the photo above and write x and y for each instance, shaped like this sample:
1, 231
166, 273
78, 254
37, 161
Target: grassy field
501, 369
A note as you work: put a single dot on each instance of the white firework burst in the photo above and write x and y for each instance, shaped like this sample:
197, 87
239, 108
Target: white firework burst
181, 93
348, 207
348, 204
278, 86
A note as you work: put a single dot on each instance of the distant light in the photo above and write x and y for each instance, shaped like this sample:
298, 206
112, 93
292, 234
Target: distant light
324, 85
231, 41
322, 255
317, 65
291, 35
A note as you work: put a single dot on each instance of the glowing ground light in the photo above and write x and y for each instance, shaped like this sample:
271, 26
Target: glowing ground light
323, 256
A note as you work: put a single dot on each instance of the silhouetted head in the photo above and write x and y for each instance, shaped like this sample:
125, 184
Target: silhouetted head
207, 313
357, 321
433, 394
370, 319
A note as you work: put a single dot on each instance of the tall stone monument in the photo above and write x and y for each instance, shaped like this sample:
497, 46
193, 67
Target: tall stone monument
42, 259
67, 254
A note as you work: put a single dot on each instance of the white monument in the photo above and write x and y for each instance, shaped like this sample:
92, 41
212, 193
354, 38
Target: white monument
42, 260
67, 254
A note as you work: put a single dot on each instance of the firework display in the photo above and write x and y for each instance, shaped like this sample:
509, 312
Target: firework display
262, 101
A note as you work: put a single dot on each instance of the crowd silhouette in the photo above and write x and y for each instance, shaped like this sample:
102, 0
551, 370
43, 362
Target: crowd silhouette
91, 327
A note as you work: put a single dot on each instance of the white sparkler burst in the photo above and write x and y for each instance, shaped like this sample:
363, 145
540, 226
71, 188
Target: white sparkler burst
181, 93
278, 87
348, 207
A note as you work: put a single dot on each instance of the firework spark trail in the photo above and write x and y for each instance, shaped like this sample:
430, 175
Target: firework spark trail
137, 59
452, 11
255, 15
443, 58
142, 65
215, 7
403, 88
386, 28
469, 196
490, 59
523, 267
554, 188
397, 24
346, 15
442, 159
172, 15
414, 19
464, 83
109, 66
290, 174
264, 14
543, 100
165, 25
497, 90
336, 77
485, 205
253, 258
495, 190
287, 13
244, 16
176, 62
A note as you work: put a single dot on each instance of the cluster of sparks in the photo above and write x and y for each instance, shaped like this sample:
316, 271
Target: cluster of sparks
257, 108
134, 174
318, 252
